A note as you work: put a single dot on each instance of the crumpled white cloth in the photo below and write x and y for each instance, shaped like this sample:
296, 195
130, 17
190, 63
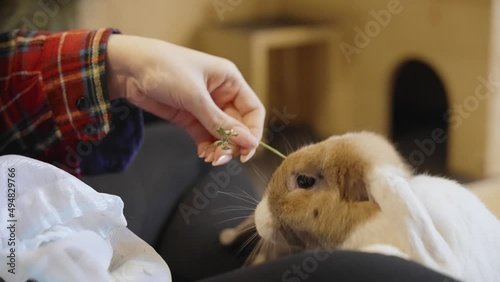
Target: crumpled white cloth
56, 228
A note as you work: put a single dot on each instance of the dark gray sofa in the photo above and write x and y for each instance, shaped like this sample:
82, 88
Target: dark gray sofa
166, 173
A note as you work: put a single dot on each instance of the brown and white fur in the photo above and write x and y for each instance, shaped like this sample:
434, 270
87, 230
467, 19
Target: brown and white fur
364, 197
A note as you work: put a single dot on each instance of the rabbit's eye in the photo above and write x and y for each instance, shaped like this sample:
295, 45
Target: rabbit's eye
305, 182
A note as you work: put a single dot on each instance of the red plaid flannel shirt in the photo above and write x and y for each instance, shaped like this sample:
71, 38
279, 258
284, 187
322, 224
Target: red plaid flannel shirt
53, 93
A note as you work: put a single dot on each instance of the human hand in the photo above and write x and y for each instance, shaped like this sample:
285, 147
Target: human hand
191, 89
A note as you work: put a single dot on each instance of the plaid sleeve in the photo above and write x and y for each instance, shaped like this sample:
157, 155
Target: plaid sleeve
53, 93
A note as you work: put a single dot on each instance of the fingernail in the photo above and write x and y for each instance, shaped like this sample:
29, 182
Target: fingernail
202, 155
210, 158
224, 159
245, 158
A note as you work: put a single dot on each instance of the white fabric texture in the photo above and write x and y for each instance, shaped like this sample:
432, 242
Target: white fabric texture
53, 227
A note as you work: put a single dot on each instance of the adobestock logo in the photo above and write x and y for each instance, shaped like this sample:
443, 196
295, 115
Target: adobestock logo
40, 19
152, 79
277, 123
308, 265
454, 117
224, 6
201, 198
363, 37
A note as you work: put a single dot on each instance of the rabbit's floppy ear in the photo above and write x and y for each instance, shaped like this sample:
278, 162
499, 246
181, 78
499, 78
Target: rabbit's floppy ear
352, 187
349, 169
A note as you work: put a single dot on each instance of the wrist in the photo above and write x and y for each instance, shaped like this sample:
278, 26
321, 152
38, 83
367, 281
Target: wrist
117, 68
127, 62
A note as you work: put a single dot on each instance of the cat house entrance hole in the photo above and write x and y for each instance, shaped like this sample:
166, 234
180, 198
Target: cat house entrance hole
418, 127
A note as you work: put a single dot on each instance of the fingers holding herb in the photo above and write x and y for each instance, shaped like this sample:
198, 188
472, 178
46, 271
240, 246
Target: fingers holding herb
217, 155
222, 151
223, 156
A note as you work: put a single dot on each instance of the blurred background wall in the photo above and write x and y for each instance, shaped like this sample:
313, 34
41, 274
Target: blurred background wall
176, 21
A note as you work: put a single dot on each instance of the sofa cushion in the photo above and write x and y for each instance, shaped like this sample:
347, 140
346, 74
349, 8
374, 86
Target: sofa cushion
166, 167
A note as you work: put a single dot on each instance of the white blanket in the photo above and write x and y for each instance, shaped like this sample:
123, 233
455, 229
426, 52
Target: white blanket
53, 227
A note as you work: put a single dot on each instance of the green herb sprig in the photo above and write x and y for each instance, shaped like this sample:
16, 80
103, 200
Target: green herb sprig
225, 135
272, 149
